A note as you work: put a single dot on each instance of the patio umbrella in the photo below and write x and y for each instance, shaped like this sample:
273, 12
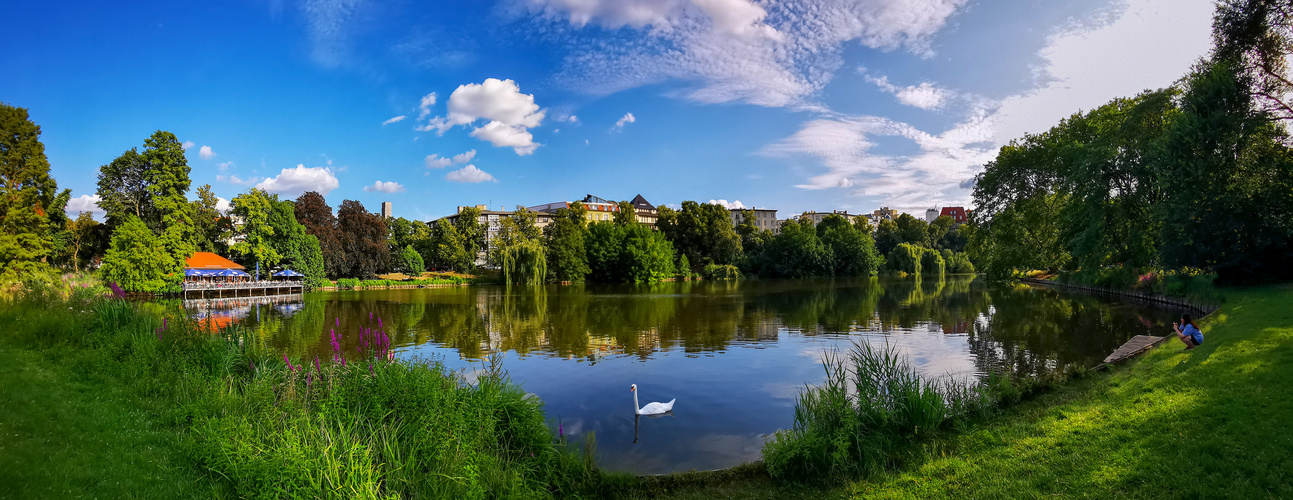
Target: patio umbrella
288, 273
195, 272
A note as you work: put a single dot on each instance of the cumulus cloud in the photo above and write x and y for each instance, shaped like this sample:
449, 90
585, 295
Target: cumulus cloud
394, 119
292, 182
222, 204
435, 161
510, 114
725, 204
384, 187
627, 118
768, 54
188, 144
470, 174
83, 203
464, 157
206, 153
923, 96
1148, 45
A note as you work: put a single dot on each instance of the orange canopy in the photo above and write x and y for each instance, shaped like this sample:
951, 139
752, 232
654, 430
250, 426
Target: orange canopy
208, 260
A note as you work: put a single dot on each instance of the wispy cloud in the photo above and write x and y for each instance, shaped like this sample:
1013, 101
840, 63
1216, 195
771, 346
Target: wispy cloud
923, 96
619, 124
395, 119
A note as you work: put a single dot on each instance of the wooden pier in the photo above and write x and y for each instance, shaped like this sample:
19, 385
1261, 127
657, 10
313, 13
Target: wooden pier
241, 289
1136, 345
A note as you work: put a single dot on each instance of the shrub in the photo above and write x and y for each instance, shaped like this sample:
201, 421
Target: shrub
721, 272
347, 283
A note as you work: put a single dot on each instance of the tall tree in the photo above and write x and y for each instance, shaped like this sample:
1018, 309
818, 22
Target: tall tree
852, 252
449, 248
253, 210
473, 231
887, 236
703, 232
81, 230
211, 227
168, 184
363, 236
796, 252
135, 260
564, 239
313, 212
28, 198
123, 190
1257, 37
626, 214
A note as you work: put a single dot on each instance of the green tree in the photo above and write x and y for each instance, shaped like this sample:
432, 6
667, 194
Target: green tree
168, 186
410, 262
473, 231
564, 240
905, 258
253, 210
449, 247
913, 230
212, 228
298, 250
887, 236
796, 252
123, 190
604, 246
626, 214
81, 230
648, 255
853, 253
524, 262
135, 259
932, 263
938, 230
31, 209
703, 232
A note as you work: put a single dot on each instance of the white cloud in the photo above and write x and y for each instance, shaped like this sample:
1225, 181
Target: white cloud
932, 176
234, 179
470, 174
188, 144
206, 153
510, 113
424, 108
764, 53
502, 135
572, 119
923, 96
394, 119
83, 203
435, 161
222, 204
627, 118
329, 25
725, 204
224, 165
464, 157
292, 182
1152, 43
384, 187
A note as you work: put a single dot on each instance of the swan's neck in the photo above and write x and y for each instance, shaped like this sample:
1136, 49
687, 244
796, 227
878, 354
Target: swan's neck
636, 408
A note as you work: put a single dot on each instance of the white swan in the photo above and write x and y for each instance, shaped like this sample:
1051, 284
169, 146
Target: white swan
650, 408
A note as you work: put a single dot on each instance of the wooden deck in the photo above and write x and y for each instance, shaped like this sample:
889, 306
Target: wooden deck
1136, 345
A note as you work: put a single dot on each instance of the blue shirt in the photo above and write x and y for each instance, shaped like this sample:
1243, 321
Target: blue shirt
1190, 331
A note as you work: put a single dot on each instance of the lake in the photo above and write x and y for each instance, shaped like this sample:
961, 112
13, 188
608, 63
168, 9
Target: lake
734, 353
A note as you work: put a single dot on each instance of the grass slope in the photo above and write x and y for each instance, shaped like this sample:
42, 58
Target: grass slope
1213, 422
66, 433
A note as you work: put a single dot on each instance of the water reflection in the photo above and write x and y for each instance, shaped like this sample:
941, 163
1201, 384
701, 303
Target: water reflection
734, 353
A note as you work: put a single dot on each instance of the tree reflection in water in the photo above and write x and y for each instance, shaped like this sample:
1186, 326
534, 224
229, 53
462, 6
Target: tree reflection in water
1018, 329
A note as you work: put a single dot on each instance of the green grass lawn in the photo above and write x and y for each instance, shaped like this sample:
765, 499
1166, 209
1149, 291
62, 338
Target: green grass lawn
1213, 422
68, 433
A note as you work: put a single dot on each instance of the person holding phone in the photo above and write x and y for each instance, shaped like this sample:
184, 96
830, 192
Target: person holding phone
1188, 332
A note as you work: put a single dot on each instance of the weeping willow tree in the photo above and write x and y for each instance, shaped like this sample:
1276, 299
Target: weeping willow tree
524, 262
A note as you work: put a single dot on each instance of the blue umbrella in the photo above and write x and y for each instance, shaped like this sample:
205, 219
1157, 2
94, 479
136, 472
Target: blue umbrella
196, 272
288, 273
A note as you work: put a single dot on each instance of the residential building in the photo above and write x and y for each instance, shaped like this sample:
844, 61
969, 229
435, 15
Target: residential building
764, 218
817, 217
883, 213
931, 214
493, 222
958, 214
599, 209
646, 212
386, 209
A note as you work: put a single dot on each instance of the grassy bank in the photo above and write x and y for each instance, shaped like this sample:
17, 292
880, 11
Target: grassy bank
1208, 423
105, 399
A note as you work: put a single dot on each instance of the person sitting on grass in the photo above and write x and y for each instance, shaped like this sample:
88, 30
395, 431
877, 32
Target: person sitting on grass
1188, 332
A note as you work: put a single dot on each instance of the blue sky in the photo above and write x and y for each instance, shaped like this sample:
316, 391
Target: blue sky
793, 105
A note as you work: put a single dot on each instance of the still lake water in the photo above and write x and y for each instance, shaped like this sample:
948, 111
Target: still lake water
734, 354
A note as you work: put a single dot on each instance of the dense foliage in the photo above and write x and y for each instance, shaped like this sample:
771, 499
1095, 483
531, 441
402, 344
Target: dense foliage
31, 208
1197, 175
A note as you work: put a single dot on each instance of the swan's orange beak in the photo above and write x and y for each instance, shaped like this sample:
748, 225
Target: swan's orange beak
630, 389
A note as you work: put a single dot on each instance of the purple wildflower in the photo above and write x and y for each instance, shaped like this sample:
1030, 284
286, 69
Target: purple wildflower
379, 322
251, 366
317, 367
561, 430
289, 363
338, 320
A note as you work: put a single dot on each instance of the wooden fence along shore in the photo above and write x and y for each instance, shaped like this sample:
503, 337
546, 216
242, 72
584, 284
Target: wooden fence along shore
1140, 343
388, 287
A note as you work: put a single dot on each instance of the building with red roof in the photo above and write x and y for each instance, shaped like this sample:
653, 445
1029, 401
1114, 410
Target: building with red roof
958, 214
208, 260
